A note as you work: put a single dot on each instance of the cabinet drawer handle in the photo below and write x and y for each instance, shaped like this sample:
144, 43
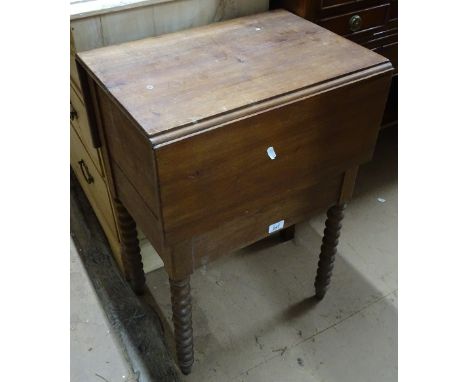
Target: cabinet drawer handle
355, 23
85, 171
73, 113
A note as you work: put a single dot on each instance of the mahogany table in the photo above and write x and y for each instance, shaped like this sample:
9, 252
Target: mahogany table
219, 136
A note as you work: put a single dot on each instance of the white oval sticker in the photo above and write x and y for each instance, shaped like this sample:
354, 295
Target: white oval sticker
271, 152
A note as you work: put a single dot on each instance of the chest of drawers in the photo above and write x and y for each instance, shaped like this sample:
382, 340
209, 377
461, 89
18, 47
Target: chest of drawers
218, 136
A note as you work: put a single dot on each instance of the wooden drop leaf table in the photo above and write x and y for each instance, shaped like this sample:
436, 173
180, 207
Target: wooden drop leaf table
219, 136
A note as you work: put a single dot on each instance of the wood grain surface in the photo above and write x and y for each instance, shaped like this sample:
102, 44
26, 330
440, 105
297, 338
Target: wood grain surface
184, 78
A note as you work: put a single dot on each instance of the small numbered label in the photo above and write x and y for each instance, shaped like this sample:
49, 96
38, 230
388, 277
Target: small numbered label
276, 226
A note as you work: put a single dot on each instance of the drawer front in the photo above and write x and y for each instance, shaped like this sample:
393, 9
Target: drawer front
79, 121
93, 185
213, 178
344, 6
73, 70
382, 39
333, 3
357, 22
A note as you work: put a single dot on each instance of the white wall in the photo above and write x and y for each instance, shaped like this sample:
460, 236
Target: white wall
112, 27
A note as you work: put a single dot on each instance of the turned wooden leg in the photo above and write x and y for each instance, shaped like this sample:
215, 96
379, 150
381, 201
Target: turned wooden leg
182, 318
328, 249
131, 255
288, 233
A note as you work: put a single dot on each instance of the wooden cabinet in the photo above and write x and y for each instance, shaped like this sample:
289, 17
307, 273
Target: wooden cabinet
219, 136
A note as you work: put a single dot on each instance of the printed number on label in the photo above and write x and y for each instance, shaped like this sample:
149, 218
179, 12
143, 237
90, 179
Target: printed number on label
276, 226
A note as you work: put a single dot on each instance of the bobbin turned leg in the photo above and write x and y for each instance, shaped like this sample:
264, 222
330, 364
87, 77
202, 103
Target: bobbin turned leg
182, 319
131, 255
328, 249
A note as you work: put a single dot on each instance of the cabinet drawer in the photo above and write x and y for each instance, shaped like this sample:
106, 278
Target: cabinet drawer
93, 184
348, 5
211, 178
380, 40
73, 70
333, 3
79, 120
357, 22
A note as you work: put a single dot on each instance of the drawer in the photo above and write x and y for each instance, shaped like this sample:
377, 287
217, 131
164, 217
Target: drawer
210, 179
79, 120
73, 70
357, 22
93, 185
380, 39
386, 33
333, 3
349, 4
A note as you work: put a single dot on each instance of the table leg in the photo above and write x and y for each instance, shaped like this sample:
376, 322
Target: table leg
288, 233
131, 255
328, 249
182, 319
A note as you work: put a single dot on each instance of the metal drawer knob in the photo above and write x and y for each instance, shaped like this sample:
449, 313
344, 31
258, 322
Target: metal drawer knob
355, 23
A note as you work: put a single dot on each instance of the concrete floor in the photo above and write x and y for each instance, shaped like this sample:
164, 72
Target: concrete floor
252, 314
94, 354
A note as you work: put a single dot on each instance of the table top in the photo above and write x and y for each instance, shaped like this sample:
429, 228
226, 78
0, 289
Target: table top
187, 78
